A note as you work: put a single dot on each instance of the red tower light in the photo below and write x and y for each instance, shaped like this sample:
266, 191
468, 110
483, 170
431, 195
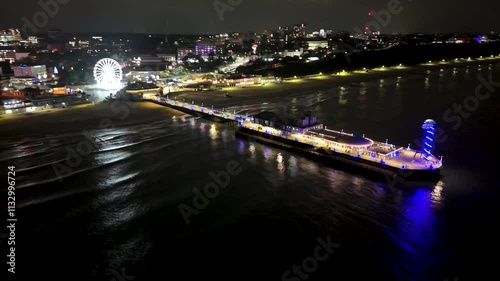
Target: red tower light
370, 14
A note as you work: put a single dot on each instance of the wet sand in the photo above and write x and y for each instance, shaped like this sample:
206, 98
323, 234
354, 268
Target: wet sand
76, 119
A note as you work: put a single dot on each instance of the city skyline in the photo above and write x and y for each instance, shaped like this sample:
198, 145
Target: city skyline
221, 16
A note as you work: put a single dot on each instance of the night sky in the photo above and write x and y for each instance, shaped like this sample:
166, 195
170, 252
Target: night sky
200, 16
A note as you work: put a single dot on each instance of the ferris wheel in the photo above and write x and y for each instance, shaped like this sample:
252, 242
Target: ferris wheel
108, 73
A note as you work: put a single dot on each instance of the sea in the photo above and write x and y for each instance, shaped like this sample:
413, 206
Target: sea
184, 199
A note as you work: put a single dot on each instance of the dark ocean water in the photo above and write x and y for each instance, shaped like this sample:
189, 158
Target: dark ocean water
117, 210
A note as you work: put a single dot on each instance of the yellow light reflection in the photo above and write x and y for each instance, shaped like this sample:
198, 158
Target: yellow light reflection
436, 194
213, 132
281, 164
252, 149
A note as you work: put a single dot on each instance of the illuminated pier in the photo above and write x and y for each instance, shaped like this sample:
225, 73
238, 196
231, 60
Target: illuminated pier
317, 138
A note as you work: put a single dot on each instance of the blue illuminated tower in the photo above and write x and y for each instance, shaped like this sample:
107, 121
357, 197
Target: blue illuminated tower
428, 137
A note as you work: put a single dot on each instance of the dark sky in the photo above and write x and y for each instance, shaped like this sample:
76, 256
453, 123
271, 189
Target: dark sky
200, 16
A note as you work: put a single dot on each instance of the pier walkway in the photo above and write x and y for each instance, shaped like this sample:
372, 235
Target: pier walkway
384, 153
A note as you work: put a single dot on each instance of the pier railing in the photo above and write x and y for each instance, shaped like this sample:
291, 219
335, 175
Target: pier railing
202, 109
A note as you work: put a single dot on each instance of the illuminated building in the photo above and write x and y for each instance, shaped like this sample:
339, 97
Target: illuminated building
292, 53
284, 36
11, 37
182, 52
7, 54
33, 40
145, 59
205, 50
315, 44
140, 90
299, 30
145, 75
37, 71
58, 90
84, 44
167, 57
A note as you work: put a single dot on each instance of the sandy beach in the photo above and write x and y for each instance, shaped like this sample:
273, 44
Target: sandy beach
303, 86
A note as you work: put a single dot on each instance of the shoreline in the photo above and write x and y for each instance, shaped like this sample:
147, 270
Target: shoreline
251, 95
90, 116
97, 117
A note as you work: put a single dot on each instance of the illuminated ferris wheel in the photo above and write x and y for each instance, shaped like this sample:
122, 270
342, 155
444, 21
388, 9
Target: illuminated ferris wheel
108, 73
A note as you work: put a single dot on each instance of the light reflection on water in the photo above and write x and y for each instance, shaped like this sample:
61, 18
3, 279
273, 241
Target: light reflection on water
213, 132
281, 164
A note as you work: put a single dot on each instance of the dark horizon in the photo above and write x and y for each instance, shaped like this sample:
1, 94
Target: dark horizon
90, 33
201, 17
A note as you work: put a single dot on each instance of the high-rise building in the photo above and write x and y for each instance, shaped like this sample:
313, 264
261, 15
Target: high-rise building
299, 30
285, 37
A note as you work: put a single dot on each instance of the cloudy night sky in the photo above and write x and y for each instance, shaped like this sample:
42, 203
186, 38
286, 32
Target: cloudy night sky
200, 16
